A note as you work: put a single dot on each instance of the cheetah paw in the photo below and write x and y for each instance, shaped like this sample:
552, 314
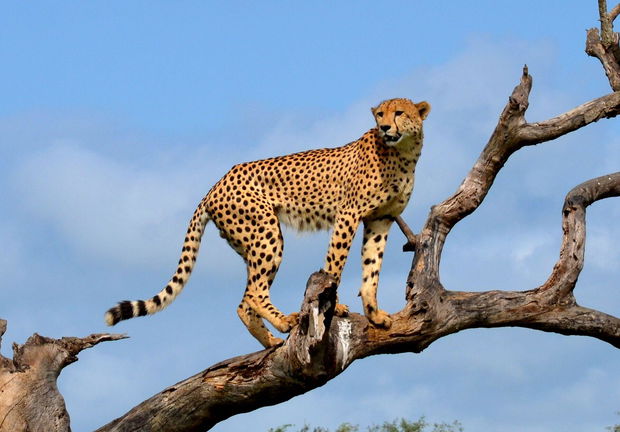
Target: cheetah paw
381, 319
342, 310
274, 341
288, 322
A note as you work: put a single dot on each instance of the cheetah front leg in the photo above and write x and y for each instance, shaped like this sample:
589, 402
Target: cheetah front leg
375, 237
342, 236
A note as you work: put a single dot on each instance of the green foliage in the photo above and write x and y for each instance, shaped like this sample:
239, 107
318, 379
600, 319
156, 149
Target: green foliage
401, 425
615, 428
282, 428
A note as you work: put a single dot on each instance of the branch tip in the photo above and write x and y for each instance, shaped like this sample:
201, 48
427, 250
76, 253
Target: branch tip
613, 14
412, 239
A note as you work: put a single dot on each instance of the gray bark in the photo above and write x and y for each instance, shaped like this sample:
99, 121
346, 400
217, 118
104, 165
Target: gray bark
29, 397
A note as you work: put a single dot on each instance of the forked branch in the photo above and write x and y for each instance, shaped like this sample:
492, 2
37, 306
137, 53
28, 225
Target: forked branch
604, 46
324, 345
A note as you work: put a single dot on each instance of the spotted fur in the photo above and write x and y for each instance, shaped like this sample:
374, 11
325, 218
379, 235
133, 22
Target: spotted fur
367, 181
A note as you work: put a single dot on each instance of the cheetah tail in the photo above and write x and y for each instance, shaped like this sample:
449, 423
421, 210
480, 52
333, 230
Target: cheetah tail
130, 309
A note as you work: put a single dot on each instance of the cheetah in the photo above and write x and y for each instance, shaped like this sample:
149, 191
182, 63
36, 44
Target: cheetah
367, 181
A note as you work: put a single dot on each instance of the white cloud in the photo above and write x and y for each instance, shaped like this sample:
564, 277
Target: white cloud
118, 211
102, 207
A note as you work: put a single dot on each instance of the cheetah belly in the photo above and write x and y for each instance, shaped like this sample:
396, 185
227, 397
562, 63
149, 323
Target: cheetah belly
306, 219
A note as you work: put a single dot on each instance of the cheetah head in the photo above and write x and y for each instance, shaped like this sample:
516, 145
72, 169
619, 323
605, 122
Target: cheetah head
400, 119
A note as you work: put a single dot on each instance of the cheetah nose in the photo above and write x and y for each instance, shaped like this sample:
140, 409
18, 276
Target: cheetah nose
385, 128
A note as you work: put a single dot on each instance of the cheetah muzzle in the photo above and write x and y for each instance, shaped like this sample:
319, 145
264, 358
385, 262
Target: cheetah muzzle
368, 181
392, 138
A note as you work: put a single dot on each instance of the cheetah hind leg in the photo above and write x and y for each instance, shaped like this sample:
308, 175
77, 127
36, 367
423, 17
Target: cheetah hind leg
258, 299
262, 266
255, 325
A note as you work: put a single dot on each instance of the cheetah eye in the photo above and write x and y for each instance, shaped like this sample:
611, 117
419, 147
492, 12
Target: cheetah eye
379, 114
398, 113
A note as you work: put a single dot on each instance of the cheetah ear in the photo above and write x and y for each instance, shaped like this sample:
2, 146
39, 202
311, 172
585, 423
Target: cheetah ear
373, 110
423, 108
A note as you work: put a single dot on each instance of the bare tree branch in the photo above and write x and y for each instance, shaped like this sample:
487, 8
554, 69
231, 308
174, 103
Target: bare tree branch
315, 352
411, 237
431, 312
323, 345
606, 26
605, 47
604, 107
613, 14
30, 399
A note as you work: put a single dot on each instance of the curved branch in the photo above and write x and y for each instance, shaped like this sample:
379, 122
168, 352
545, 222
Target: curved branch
322, 346
607, 106
552, 306
566, 271
511, 134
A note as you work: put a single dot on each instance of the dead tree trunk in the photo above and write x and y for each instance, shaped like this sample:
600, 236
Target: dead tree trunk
323, 345
29, 397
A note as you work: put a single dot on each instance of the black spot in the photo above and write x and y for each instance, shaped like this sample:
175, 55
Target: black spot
169, 289
156, 300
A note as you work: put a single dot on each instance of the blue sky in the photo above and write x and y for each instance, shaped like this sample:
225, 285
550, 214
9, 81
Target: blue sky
117, 117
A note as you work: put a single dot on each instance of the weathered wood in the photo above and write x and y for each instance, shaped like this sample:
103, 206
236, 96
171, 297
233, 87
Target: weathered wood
315, 352
323, 345
604, 45
29, 398
409, 235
